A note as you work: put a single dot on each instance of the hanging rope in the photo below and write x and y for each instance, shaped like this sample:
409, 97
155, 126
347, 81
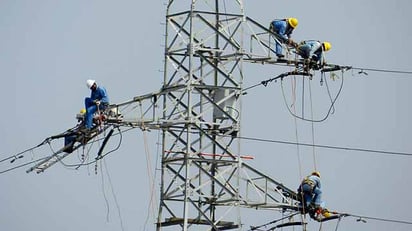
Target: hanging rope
312, 126
314, 120
152, 206
303, 216
114, 194
296, 127
105, 196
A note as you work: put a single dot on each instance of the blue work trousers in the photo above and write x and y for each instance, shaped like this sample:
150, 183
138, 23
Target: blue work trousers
91, 108
304, 51
312, 196
278, 48
278, 28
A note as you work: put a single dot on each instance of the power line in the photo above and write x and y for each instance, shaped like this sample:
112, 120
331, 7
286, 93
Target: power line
380, 219
22, 165
327, 146
280, 76
361, 69
382, 70
66, 165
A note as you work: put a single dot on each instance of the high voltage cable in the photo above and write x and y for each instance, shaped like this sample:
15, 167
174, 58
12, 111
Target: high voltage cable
67, 165
380, 219
383, 70
22, 165
280, 76
327, 146
354, 68
374, 70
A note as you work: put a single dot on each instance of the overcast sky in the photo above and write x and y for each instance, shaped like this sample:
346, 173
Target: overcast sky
49, 48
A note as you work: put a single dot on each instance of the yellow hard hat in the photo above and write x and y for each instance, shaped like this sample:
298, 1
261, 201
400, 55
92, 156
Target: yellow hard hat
316, 173
82, 111
293, 22
326, 46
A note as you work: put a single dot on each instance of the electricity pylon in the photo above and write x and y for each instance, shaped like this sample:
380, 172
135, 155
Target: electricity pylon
204, 180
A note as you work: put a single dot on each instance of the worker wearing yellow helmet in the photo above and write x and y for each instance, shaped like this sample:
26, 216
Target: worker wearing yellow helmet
313, 50
282, 29
310, 193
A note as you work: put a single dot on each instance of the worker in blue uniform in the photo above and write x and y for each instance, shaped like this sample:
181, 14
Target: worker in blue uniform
310, 191
98, 101
313, 51
283, 28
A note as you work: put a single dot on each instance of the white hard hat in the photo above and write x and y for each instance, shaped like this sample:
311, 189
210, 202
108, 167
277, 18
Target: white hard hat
90, 82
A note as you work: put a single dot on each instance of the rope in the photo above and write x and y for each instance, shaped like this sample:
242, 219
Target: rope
104, 195
312, 126
312, 120
294, 85
114, 194
303, 97
297, 142
151, 205
86, 156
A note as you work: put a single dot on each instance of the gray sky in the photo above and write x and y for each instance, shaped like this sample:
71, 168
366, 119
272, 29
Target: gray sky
49, 48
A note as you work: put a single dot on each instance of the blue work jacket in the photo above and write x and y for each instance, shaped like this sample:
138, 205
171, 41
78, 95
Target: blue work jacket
282, 28
313, 50
100, 94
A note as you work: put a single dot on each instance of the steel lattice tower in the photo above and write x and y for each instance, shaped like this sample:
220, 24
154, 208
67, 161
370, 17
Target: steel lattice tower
201, 179
204, 179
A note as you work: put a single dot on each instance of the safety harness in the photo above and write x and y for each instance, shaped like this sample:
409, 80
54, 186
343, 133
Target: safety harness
309, 182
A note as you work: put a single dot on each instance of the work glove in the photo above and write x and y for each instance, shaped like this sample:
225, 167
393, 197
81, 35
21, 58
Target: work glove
292, 43
97, 102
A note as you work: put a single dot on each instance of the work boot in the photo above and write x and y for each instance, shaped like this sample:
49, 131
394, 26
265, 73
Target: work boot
326, 213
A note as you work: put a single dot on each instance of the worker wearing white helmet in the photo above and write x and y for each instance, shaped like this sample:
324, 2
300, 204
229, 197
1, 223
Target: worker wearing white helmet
98, 100
90, 82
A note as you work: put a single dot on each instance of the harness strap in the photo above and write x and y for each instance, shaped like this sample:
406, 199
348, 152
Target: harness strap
309, 182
